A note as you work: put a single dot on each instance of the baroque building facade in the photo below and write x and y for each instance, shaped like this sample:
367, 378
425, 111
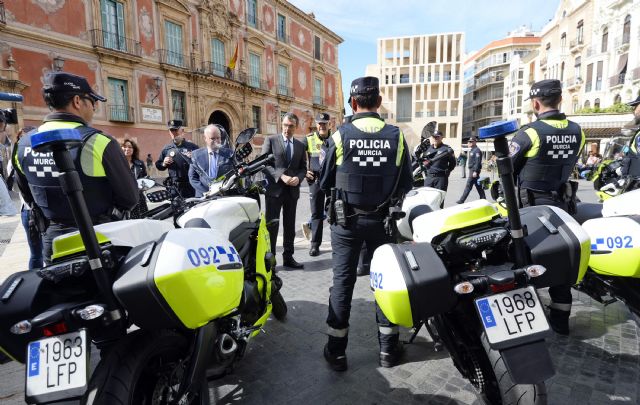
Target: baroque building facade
238, 63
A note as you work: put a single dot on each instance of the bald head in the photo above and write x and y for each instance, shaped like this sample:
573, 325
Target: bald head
212, 137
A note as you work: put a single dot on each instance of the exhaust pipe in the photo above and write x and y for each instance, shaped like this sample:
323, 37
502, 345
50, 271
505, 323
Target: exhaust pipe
226, 345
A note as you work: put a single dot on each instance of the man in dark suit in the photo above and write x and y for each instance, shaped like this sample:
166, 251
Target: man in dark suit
284, 175
209, 162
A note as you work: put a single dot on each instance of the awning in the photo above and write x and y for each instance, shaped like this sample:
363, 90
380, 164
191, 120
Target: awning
622, 63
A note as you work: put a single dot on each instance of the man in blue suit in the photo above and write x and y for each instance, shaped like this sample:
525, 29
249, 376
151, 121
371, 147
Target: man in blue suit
209, 162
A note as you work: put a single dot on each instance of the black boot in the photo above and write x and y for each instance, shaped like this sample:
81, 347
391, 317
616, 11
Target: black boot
391, 357
337, 361
559, 321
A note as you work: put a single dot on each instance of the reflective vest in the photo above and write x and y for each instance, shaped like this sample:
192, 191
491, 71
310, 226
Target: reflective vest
42, 173
314, 148
555, 148
367, 163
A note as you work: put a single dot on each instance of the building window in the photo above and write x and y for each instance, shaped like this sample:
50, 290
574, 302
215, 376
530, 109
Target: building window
254, 70
577, 67
580, 31
617, 99
605, 39
317, 91
119, 101
179, 106
173, 42
575, 105
626, 30
283, 80
563, 40
587, 104
316, 48
588, 84
596, 103
252, 13
599, 76
562, 71
282, 28
217, 57
548, 47
255, 115
113, 25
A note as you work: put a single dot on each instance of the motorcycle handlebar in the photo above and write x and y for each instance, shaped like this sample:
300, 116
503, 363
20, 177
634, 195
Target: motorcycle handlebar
256, 166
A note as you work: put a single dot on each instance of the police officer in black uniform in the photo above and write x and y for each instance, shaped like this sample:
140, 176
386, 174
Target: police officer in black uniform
631, 162
176, 156
367, 163
544, 153
438, 171
474, 164
109, 188
314, 145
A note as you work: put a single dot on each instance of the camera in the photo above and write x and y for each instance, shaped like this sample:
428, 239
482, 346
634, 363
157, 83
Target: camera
9, 115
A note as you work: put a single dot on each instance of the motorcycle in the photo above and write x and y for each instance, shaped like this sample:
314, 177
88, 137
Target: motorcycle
167, 308
470, 276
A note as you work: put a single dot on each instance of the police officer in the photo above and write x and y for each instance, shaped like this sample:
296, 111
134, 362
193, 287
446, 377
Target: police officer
631, 162
109, 188
367, 162
543, 155
176, 156
474, 164
438, 170
314, 146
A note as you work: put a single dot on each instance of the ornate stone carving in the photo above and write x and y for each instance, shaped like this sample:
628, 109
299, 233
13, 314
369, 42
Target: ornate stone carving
146, 24
217, 21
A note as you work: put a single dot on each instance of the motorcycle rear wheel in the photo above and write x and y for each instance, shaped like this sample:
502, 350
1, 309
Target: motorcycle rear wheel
500, 388
279, 306
145, 369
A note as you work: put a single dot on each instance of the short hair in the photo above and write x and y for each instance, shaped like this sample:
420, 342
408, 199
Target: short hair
211, 127
366, 100
550, 101
136, 151
291, 117
58, 101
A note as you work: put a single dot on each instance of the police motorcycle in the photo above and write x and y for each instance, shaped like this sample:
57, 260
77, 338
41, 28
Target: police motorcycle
471, 276
166, 308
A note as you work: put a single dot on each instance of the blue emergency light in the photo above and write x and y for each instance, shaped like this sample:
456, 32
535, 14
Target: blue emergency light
498, 128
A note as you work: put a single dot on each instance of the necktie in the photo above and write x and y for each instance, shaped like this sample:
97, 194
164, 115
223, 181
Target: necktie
213, 166
287, 151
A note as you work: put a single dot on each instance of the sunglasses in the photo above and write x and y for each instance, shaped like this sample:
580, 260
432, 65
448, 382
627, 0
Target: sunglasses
92, 101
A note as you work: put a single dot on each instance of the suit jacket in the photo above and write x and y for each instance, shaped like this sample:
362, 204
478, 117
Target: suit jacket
297, 167
200, 160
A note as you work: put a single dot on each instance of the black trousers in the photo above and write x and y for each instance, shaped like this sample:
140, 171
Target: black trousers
316, 201
346, 243
54, 230
185, 189
273, 206
439, 182
472, 182
559, 294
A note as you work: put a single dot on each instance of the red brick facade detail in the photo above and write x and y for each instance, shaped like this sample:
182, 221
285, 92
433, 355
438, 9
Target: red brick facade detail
268, 19
301, 79
65, 17
147, 91
269, 66
301, 37
330, 90
146, 27
329, 53
237, 8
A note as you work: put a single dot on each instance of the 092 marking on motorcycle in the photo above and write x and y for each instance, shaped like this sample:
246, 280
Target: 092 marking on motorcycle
512, 315
613, 242
375, 279
212, 254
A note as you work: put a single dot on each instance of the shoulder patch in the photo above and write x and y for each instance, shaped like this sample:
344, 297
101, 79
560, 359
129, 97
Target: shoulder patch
513, 148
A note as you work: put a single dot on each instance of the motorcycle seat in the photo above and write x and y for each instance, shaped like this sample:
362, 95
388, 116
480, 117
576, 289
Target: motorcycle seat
586, 211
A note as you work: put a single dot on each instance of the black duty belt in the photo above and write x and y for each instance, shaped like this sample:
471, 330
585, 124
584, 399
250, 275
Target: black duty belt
439, 174
371, 211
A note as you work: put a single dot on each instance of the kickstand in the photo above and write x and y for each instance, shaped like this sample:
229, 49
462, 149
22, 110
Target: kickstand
415, 332
437, 342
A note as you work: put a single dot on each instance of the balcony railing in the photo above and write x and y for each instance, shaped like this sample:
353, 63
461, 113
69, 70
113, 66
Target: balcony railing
254, 23
3, 17
216, 69
282, 37
257, 83
403, 119
172, 58
318, 100
121, 113
110, 40
617, 80
284, 91
622, 41
543, 63
576, 45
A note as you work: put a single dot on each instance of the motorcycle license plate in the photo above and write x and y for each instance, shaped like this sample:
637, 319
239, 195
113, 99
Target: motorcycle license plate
512, 316
57, 366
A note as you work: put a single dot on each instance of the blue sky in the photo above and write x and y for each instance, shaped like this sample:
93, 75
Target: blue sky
360, 23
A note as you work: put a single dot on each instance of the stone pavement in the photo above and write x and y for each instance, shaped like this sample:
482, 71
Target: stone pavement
598, 364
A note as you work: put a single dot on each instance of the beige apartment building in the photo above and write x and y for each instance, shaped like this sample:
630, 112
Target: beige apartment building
420, 81
496, 81
238, 63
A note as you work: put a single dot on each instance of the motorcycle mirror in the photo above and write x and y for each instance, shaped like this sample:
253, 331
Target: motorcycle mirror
243, 151
144, 184
246, 136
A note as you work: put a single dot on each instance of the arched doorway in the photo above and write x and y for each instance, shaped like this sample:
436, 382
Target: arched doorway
220, 118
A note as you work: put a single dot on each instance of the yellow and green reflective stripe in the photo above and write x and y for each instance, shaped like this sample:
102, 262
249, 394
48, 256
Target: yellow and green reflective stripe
91, 155
557, 123
400, 149
535, 142
337, 139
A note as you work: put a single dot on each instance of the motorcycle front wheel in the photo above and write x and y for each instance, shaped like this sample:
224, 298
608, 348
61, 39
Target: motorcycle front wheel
145, 369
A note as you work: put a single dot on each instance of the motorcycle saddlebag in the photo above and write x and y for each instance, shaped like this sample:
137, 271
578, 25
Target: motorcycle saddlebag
410, 283
557, 242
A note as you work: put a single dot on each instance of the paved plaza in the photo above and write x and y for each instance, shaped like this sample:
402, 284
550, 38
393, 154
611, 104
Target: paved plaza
598, 364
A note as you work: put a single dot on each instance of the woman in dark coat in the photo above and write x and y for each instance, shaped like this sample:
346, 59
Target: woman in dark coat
138, 171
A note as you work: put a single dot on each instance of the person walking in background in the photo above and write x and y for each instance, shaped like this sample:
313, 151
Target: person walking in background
284, 175
462, 162
209, 162
475, 165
